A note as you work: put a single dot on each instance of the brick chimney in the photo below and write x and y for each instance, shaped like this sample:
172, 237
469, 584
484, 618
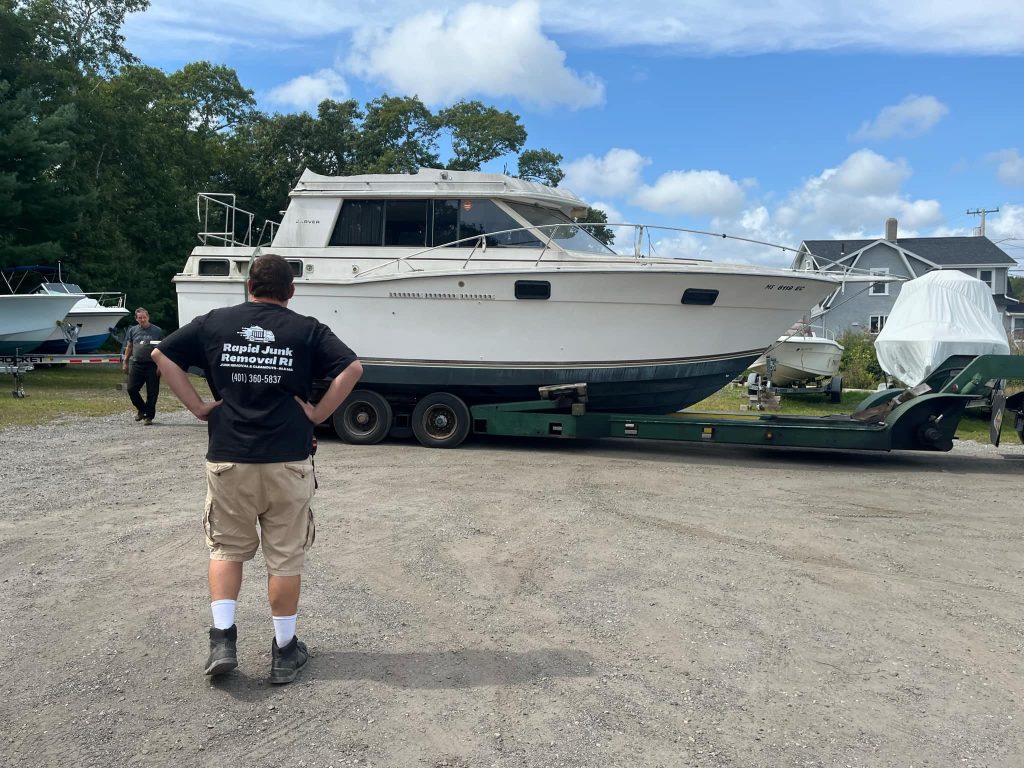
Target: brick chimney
890, 230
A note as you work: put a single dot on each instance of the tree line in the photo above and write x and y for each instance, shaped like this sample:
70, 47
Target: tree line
101, 156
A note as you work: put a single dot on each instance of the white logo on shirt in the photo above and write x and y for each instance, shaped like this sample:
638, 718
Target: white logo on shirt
258, 335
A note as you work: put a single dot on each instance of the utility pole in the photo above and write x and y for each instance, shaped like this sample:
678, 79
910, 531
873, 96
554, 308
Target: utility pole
980, 212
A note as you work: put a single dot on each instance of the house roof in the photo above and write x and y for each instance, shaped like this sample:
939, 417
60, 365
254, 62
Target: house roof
941, 251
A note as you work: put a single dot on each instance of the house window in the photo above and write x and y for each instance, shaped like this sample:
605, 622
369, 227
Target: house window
880, 289
877, 323
1018, 327
985, 275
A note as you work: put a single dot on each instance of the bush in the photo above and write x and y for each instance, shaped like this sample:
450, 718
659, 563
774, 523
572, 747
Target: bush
859, 366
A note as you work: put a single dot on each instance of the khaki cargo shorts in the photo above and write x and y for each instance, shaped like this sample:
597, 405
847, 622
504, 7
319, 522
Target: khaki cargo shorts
249, 502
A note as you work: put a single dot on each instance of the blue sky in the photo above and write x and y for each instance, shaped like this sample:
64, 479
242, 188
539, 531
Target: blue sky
778, 120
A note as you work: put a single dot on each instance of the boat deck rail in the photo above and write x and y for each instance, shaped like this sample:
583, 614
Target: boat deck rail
225, 223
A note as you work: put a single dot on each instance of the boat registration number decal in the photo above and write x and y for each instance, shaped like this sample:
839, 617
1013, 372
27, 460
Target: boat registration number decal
775, 287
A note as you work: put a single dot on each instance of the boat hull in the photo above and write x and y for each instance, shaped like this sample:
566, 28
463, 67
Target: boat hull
629, 334
27, 320
94, 326
657, 387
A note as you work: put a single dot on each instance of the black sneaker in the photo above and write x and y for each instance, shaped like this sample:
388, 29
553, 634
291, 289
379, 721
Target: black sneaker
223, 655
139, 416
286, 662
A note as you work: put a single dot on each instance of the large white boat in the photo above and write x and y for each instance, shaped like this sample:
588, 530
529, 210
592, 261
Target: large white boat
88, 324
484, 287
84, 327
27, 320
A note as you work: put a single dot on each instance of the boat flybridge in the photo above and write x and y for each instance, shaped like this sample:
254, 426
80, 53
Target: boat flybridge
460, 288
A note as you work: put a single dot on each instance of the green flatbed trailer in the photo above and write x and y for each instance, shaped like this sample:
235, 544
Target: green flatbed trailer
922, 419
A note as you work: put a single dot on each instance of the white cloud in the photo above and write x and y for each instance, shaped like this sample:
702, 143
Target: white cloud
1007, 224
1010, 168
476, 50
615, 174
696, 193
850, 201
914, 116
307, 91
867, 173
732, 27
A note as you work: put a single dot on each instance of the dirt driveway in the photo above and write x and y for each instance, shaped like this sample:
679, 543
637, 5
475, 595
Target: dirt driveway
518, 603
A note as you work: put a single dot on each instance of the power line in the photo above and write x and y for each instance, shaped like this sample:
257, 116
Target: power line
981, 212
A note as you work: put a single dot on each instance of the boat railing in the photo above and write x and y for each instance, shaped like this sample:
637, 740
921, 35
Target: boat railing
549, 243
224, 223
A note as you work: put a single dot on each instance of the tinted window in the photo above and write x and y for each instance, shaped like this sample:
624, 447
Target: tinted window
446, 221
361, 222
478, 217
405, 222
214, 267
533, 289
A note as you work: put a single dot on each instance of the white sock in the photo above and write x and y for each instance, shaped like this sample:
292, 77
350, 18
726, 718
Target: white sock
284, 629
223, 613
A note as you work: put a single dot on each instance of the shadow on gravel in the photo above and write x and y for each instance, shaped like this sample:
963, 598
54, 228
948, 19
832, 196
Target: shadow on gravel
767, 458
435, 669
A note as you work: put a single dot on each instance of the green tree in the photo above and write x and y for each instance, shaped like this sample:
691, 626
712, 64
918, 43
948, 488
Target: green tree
85, 33
540, 165
397, 135
479, 134
598, 217
36, 204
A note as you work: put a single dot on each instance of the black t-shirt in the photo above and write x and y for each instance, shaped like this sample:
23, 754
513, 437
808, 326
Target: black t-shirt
256, 357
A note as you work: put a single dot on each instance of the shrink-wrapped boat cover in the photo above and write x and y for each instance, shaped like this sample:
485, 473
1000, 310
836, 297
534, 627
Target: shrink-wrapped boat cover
939, 314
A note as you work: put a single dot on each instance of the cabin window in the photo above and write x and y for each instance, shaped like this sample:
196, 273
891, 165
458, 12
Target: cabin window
533, 289
361, 222
702, 297
446, 222
214, 267
296, 266
405, 223
877, 323
478, 217
985, 275
880, 289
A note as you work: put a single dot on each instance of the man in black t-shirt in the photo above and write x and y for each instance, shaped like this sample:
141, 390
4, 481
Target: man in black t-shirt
139, 343
260, 359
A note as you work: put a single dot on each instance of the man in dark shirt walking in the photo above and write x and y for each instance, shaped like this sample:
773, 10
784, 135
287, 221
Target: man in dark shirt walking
137, 362
261, 360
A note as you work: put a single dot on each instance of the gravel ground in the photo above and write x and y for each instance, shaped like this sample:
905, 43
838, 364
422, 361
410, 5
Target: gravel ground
522, 603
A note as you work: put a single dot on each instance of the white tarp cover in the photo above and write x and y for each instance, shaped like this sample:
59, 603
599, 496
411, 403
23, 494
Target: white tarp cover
939, 314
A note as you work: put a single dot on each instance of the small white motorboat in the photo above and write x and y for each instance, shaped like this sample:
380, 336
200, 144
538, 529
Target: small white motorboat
799, 358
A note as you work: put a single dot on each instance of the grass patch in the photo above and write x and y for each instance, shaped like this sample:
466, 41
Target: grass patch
73, 391
972, 426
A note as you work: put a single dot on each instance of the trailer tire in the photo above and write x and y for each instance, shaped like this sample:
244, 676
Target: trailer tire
835, 389
441, 420
363, 419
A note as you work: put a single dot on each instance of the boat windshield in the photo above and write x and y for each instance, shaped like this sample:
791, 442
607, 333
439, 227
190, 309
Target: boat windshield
54, 288
571, 237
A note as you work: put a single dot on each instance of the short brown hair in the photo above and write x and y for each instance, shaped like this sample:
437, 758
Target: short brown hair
270, 277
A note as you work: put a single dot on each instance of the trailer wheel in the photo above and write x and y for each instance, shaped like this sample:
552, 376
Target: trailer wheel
441, 420
835, 389
363, 419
